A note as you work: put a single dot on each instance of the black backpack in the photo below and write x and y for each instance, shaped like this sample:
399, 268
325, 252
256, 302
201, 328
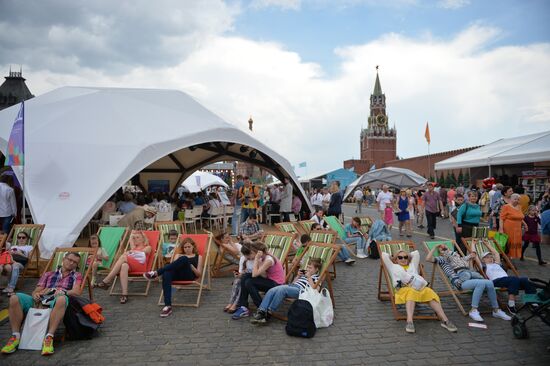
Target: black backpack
373, 250
78, 325
300, 320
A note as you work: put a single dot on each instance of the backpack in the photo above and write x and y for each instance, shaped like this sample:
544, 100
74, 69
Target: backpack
373, 250
300, 319
77, 324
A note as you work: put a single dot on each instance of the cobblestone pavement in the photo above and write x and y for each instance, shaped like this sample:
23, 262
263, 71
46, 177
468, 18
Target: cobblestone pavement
364, 331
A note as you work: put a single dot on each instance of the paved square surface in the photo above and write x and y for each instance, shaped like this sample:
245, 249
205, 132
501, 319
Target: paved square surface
364, 331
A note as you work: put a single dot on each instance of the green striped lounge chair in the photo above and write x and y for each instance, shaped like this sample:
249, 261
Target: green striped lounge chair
57, 259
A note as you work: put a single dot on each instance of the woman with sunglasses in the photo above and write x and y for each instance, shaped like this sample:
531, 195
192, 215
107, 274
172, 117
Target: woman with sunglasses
19, 253
411, 287
457, 269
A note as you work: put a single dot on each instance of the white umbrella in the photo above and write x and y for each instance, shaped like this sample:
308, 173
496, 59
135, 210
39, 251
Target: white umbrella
394, 177
199, 181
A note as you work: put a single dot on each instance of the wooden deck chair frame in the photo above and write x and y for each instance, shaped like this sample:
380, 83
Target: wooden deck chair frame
306, 225
468, 242
366, 223
138, 276
315, 237
118, 250
35, 231
285, 249
221, 266
451, 244
164, 228
287, 227
199, 284
85, 271
335, 225
480, 232
389, 294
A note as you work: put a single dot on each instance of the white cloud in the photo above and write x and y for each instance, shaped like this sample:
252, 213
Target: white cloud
283, 4
470, 92
453, 4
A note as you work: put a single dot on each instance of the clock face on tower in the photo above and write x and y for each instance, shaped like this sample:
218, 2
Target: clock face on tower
381, 120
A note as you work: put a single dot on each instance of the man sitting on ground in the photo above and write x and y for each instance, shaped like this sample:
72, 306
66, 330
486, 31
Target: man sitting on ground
60, 284
251, 230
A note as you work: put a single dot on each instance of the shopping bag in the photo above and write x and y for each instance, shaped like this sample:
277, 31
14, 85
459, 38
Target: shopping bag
501, 239
34, 329
323, 312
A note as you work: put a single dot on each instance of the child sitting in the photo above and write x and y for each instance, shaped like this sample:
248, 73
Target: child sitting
245, 266
101, 255
304, 241
168, 247
275, 296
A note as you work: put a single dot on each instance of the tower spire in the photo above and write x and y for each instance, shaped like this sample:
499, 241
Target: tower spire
377, 87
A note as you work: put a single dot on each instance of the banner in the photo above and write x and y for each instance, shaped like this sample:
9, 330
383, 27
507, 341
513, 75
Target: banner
16, 146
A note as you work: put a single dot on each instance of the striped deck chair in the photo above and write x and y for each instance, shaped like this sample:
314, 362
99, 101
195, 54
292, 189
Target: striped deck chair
203, 242
111, 239
326, 237
35, 232
287, 227
481, 246
152, 261
451, 290
480, 232
306, 225
278, 245
85, 253
327, 253
366, 223
392, 247
164, 228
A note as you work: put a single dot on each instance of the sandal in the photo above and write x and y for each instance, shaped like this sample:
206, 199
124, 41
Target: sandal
103, 285
124, 299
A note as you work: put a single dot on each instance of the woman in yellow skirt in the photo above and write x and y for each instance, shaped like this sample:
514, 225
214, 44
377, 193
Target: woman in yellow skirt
411, 287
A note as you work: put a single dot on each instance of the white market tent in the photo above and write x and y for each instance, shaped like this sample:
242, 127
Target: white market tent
199, 181
516, 150
83, 143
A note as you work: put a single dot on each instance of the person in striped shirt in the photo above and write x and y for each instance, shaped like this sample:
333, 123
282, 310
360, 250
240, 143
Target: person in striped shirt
275, 296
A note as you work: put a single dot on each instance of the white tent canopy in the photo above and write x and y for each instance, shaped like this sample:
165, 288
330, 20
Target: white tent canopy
82, 144
516, 150
198, 181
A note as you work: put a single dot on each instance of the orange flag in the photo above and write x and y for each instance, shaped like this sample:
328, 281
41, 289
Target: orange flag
427, 133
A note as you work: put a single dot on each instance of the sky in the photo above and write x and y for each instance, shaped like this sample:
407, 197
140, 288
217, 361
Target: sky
477, 71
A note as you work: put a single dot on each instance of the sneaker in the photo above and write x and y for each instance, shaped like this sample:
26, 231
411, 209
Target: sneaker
474, 314
501, 315
410, 328
349, 261
432, 237
259, 317
449, 326
11, 346
150, 275
512, 309
542, 263
166, 311
241, 312
361, 254
47, 346
7, 290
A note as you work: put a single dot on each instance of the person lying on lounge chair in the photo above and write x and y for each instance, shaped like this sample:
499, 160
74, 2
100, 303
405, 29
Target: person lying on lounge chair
19, 253
233, 250
411, 287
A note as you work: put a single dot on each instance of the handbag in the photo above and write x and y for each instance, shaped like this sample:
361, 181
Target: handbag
34, 329
323, 311
6, 258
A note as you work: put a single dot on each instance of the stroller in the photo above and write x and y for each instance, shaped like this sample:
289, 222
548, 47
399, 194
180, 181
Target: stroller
537, 305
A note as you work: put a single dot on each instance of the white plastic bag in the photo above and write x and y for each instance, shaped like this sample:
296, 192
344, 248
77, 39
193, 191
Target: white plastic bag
34, 329
323, 312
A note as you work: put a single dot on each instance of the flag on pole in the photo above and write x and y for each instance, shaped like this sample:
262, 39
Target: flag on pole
303, 164
16, 146
427, 133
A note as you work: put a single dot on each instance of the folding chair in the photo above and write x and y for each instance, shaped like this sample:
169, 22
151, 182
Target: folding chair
3, 238
452, 291
480, 232
215, 218
85, 253
366, 223
219, 268
336, 225
278, 245
35, 232
197, 212
326, 237
152, 260
306, 225
165, 228
203, 242
189, 218
481, 247
287, 227
392, 247
111, 238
